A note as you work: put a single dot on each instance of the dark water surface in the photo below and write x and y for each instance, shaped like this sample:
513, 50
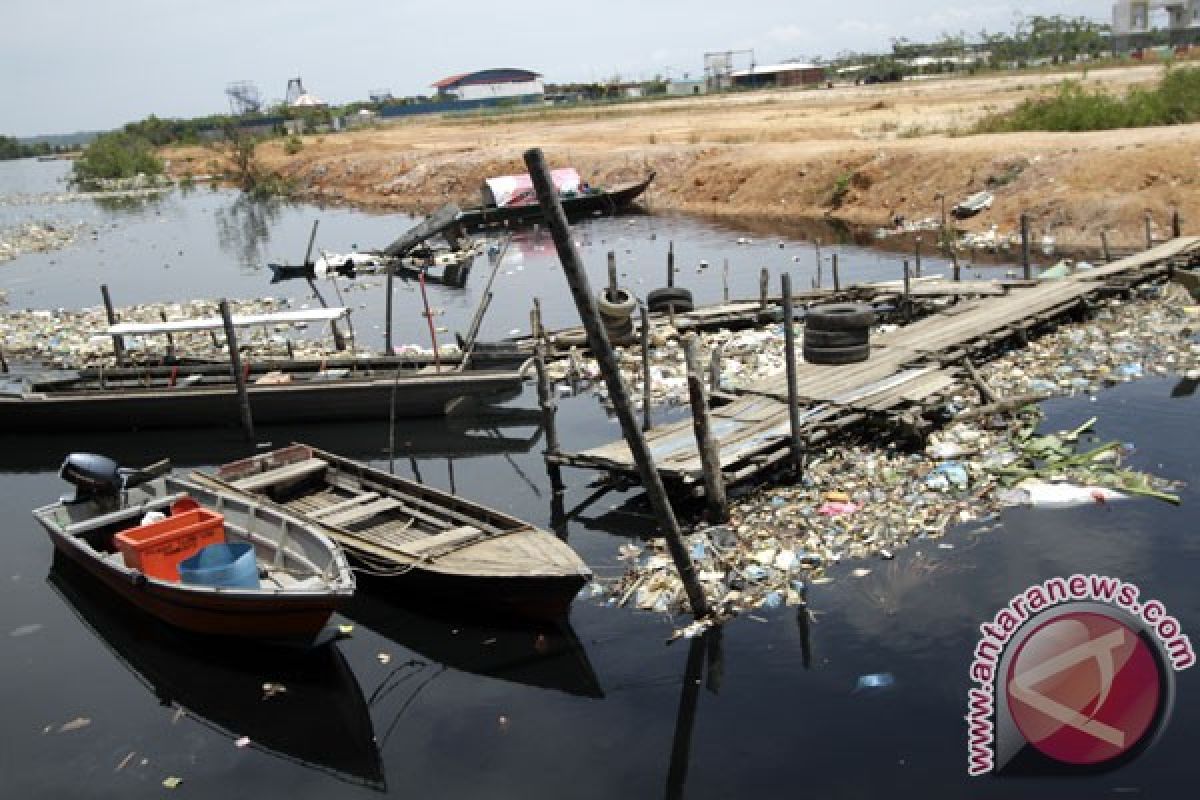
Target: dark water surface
603, 708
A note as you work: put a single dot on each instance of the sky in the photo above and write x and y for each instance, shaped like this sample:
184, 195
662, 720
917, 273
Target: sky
69, 65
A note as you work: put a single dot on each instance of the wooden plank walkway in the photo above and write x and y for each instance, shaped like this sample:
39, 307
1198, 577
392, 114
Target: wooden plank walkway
909, 367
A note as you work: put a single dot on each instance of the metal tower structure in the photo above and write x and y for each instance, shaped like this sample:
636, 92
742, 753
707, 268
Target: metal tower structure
243, 98
294, 90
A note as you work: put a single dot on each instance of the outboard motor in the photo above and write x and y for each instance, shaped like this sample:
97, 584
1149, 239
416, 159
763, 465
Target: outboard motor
95, 478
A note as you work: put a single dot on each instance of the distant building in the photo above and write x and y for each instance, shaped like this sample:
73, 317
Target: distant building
1133, 16
491, 84
778, 76
679, 88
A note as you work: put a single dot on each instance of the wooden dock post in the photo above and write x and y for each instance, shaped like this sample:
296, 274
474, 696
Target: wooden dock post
387, 313
907, 293
170, 339
1028, 268
1176, 224
706, 443
954, 261
428, 314
917, 255
546, 399
613, 286
789, 357
647, 388
671, 264
714, 367
763, 278
1104, 245
597, 337
239, 376
118, 341
1149, 231
837, 283
725, 281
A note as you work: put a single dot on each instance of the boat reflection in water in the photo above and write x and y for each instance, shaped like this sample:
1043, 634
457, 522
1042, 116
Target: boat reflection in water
321, 722
545, 655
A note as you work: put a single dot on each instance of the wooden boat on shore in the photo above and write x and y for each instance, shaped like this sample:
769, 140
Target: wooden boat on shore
575, 204
426, 540
297, 577
322, 722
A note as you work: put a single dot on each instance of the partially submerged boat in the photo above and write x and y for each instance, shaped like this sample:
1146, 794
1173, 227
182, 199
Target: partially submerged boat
510, 199
197, 558
427, 540
980, 201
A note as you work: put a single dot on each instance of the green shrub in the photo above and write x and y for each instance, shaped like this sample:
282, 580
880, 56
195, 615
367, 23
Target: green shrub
115, 156
1175, 101
293, 145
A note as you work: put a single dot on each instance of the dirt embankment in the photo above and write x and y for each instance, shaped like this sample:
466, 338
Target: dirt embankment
858, 154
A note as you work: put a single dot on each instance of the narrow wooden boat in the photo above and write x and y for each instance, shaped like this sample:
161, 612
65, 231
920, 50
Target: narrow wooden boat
594, 201
428, 540
186, 397
321, 722
302, 577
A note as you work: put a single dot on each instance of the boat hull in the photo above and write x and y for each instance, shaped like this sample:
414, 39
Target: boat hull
606, 202
201, 406
221, 615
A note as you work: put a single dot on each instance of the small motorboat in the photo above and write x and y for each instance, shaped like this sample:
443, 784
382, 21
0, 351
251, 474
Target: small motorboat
201, 560
426, 540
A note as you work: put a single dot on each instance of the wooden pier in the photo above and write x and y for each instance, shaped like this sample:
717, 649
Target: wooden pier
909, 372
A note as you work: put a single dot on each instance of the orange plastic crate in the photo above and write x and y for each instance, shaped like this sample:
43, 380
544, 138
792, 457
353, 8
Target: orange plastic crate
156, 549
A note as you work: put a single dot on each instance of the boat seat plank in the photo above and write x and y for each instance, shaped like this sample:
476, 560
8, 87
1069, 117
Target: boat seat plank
334, 508
455, 537
292, 472
360, 512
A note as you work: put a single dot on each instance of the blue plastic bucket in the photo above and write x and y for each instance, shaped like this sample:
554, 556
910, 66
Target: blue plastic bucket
229, 565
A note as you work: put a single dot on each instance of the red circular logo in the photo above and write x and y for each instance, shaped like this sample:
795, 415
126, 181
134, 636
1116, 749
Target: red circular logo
1083, 688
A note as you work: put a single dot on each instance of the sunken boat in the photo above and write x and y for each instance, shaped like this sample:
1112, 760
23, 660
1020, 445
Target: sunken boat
427, 541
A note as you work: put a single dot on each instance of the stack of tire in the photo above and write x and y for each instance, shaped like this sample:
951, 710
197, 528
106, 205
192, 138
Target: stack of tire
616, 311
670, 298
838, 333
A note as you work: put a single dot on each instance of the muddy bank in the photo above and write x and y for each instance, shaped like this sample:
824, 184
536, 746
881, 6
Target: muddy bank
856, 155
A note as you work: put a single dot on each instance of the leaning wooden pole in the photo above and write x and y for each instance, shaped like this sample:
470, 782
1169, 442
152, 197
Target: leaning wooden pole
837, 280
387, 312
789, 356
239, 376
1176, 224
118, 341
1104, 245
597, 338
1149, 231
706, 443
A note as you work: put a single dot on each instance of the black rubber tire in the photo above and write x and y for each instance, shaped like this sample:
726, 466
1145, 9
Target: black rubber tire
619, 307
678, 308
619, 329
659, 298
840, 317
822, 339
837, 355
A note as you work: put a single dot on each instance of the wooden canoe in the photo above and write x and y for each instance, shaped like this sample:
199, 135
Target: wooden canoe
430, 541
599, 201
184, 398
304, 577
